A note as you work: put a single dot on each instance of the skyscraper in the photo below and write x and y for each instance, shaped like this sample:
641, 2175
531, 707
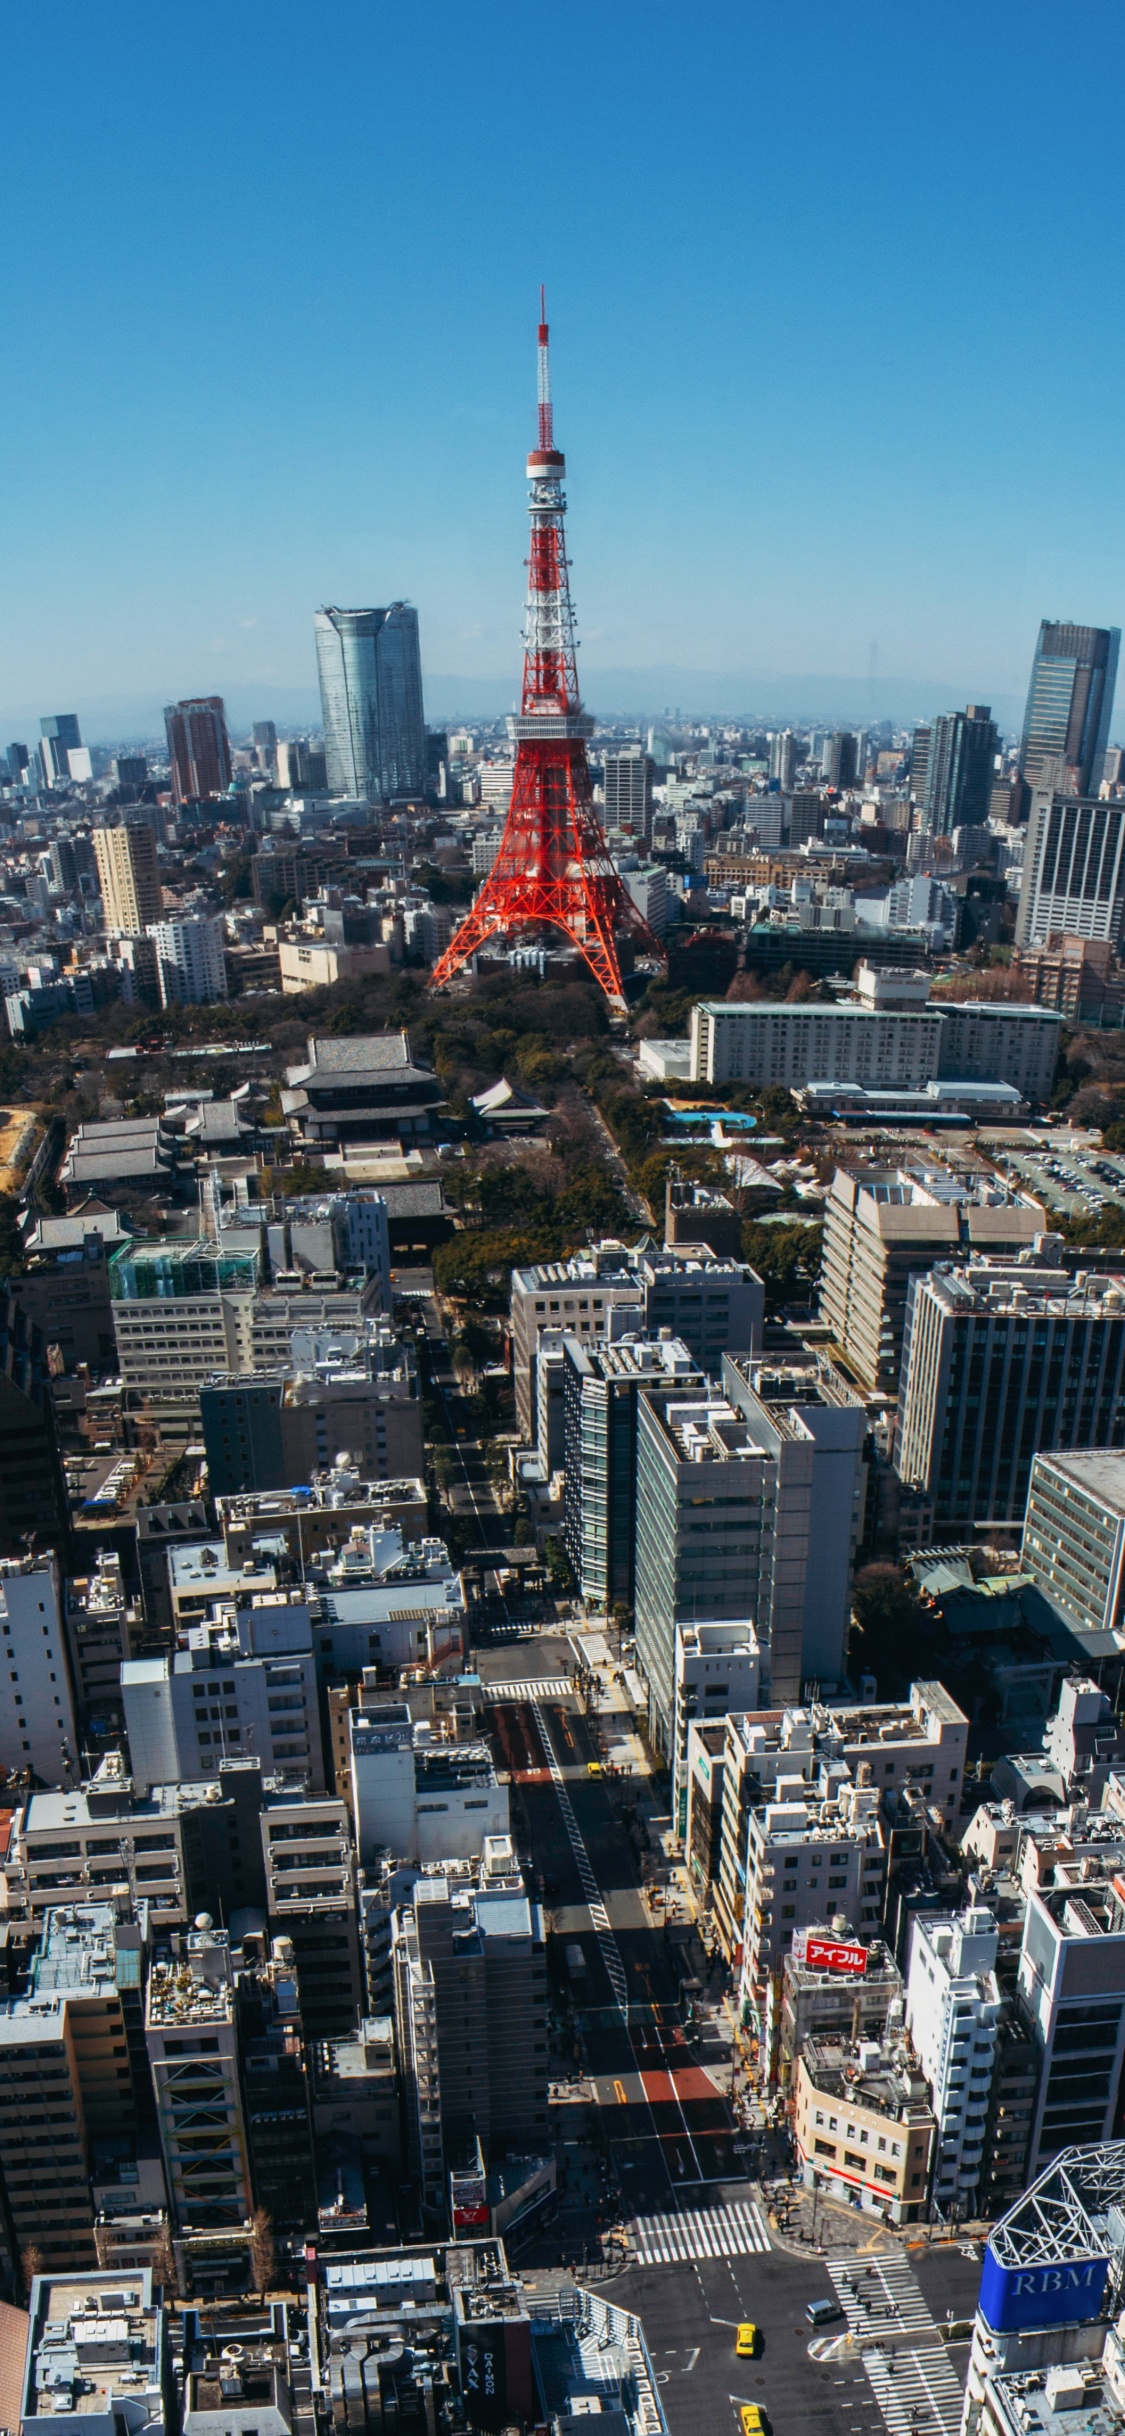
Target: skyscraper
265, 745
198, 747
1069, 705
960, 770
628, 791
58, 737
128, 878
838, 760
370, 669
1073, 878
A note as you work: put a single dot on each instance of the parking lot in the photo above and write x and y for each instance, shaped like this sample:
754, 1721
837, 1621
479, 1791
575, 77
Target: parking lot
1076, 1184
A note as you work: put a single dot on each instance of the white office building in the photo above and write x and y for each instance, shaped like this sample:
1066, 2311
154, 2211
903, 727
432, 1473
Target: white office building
953, 2012
244, 1687
417, 1798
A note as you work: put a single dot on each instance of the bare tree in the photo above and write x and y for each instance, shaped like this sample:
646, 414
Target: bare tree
32, 2263
164, 2262
263, 2255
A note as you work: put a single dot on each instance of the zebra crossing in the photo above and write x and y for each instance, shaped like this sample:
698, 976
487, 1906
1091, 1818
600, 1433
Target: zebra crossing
607, 1942
664, 2241
537, 1687
879, 2295
917, 2392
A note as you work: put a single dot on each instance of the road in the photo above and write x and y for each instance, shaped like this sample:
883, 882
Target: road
665, 2124
473, 1492
691, 2313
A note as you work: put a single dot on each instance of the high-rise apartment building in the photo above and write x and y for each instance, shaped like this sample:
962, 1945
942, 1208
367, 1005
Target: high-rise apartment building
33, 1496
1003, 1359
370, 669
198, 747
37, 1719
813, 1849
470, 1984
192, 2038
838, 759
1072, 1991
128, 878
628, 792
311, 1900
1073, 877
960, 767
1074, 1536
954, 2007
1069, 705
915, 1746
783, 759
43, 2156
884, 1224
190, 963
601, 1386
727, 1488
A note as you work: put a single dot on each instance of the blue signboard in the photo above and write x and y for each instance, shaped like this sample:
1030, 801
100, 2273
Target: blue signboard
1065, 2293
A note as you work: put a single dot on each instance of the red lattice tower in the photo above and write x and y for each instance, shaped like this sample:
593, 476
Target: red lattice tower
553, 866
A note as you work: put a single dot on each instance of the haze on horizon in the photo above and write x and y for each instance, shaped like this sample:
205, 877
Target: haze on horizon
835, 350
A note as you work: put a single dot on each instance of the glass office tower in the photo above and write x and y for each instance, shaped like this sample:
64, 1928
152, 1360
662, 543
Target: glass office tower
370, 670
1070, 704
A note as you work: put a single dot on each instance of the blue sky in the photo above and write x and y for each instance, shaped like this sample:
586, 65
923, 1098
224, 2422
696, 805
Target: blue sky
835, 303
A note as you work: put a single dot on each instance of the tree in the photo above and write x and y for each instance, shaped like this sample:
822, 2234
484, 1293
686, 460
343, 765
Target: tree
32, 2263
263, 2254
558, 1566
12, 1260
164, 2262
787, 1259
889, 1625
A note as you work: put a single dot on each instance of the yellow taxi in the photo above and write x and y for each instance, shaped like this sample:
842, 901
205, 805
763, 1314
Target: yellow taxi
594, 1767
751, 2420
746, 2344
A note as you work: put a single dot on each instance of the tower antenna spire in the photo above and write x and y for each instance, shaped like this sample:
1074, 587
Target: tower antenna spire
546, 418
553, 868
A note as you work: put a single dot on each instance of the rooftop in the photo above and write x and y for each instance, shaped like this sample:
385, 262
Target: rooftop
882, 2079
94, 2340
1028, 1284
179, 1996
1099, 1475
79, 1953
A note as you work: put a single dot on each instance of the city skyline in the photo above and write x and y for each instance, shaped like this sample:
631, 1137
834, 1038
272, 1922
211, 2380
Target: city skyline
805, 458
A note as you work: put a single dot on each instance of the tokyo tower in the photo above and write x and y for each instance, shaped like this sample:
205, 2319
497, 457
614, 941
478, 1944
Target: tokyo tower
553, 866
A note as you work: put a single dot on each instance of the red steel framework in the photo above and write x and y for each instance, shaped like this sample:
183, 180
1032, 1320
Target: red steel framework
553, 866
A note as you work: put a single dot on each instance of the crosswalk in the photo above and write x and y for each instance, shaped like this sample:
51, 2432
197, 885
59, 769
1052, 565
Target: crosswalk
879, 2295
537, 1687
663, 2241
607, 1942
917, 2391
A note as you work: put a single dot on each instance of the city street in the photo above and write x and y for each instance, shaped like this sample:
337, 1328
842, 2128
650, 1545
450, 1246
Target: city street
691, 2313
666, 2126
